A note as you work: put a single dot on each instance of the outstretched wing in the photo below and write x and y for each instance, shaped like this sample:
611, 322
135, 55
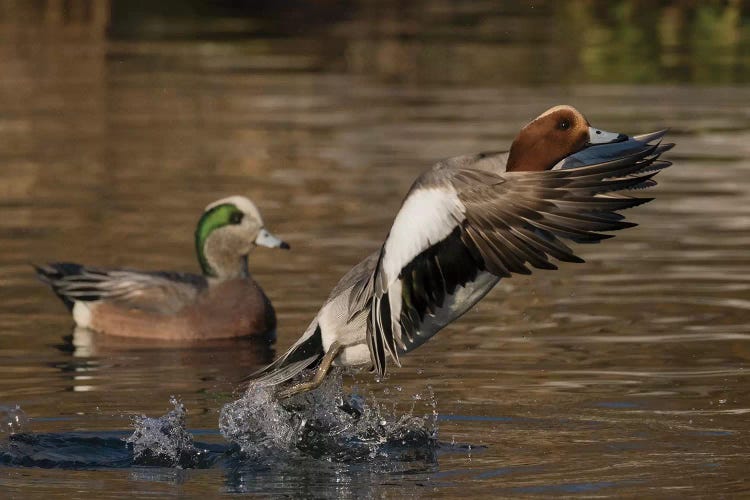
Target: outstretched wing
161, 292
462, 228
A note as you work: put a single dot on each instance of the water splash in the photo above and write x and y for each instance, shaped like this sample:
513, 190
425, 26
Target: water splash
257, 422
13, 420
164, 440
328, 424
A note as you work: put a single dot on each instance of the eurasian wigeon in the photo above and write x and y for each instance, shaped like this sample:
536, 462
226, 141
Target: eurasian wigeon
466, 223
225, 301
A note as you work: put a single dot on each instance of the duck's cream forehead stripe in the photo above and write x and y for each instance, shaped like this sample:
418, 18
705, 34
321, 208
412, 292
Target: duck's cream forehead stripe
555, 109
244, 204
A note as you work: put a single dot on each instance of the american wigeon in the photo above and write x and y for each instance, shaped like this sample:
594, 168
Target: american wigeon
465, 224
224, 302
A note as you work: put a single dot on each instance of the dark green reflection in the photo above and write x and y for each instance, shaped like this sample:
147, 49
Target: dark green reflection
440, 41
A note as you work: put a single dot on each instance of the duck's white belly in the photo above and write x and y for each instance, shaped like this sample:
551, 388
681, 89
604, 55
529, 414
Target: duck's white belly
353, 334
355, 355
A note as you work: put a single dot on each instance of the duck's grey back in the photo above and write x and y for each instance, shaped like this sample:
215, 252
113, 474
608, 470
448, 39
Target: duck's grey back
492, 161
356, 277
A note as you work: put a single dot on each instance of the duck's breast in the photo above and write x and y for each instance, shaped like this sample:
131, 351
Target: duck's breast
234, 308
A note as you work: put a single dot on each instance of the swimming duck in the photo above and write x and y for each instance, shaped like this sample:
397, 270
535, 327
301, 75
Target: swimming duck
466, 223
225, 301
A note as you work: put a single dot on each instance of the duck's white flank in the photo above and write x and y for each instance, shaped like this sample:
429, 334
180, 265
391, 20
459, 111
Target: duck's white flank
82, 314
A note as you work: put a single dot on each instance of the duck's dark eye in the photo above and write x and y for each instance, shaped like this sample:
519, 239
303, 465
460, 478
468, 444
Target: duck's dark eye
564, 124
236, 217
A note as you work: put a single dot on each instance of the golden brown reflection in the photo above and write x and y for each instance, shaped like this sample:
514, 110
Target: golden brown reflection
220, 361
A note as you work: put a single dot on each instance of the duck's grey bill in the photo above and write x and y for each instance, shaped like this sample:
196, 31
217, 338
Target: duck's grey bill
609, 151
266, 239
597, 136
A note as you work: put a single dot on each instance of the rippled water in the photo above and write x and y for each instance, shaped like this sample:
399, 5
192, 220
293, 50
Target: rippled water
626, 376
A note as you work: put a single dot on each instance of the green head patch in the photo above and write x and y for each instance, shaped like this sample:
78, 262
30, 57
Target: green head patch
214, 218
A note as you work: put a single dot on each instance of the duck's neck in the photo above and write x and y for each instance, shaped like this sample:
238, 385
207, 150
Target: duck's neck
526, 155
217, 263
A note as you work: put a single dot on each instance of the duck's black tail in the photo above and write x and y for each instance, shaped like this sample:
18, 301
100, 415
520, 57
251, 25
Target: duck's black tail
306, 353
57, 276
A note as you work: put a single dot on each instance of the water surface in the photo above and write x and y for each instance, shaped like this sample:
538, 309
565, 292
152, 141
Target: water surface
119, 122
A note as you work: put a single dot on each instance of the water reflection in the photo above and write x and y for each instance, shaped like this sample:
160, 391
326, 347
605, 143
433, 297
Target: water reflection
225, 361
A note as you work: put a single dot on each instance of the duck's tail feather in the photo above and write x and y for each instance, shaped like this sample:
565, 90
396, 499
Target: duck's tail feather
55, 274
306, 353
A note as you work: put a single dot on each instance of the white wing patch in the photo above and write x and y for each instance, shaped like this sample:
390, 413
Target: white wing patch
427, 217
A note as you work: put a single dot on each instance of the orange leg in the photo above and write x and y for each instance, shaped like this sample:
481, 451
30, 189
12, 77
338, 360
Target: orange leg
320, 374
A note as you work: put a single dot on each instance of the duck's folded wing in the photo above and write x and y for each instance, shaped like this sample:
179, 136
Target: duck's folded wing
457, 225
159, 292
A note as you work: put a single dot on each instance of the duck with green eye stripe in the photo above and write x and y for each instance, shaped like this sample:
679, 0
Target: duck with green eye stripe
224, 302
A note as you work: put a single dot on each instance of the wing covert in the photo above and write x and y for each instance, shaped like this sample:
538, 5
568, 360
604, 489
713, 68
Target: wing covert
475, 221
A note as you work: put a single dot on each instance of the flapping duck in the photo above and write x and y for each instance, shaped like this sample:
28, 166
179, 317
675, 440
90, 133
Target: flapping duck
465, 224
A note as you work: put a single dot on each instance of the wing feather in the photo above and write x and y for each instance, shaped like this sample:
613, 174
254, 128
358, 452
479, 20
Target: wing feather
458, 222
161, 292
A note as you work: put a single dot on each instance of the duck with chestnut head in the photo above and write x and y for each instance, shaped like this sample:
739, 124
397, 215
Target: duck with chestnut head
465, 224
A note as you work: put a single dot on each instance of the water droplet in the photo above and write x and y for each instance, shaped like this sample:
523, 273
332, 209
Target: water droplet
13, 420
326, 422
164, 439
